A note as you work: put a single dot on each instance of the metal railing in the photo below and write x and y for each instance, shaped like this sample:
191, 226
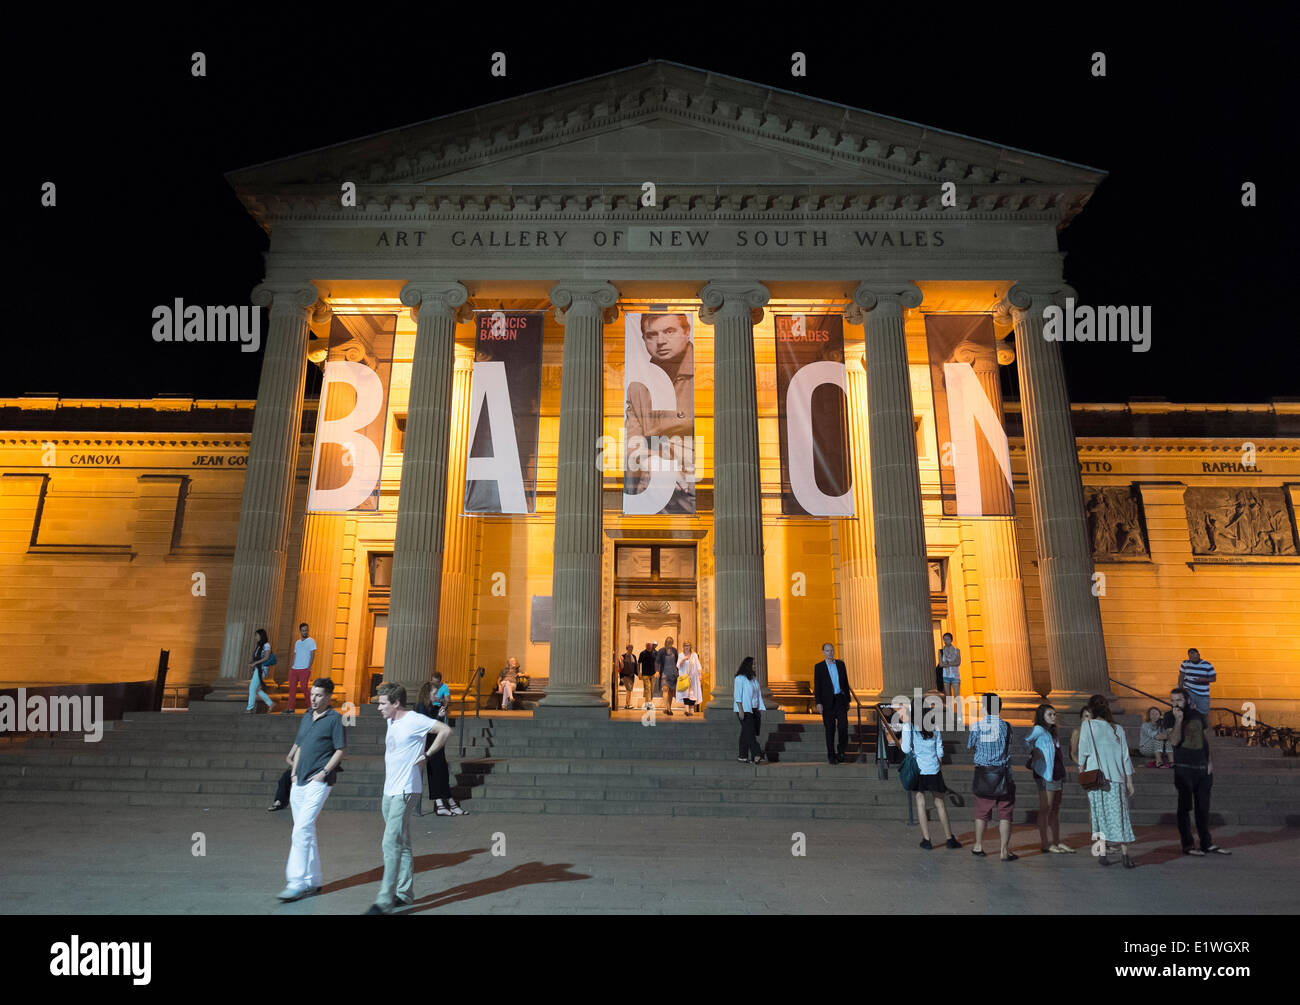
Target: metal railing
477, 684
1259, 734
862, 754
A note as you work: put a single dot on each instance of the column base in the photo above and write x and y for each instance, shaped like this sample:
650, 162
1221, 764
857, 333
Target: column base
1073, 700
582, 696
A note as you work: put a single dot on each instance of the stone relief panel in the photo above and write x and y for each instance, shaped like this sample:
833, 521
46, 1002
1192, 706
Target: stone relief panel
1247, 521
1115, 525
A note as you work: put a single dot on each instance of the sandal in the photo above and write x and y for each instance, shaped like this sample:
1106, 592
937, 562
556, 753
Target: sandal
978, 851
1011, 857
456, 810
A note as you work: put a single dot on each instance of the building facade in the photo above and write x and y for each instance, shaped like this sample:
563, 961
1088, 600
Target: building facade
661, 192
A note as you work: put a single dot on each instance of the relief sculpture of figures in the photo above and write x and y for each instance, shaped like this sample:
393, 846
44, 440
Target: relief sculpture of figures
1249, 521
1114, 521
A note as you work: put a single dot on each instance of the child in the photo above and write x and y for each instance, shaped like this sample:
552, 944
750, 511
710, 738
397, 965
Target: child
1154, 740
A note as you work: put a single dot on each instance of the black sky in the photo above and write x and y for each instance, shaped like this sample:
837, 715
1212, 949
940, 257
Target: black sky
138, 149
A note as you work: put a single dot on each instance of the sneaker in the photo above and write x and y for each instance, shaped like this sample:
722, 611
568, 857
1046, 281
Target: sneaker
743, 760
374, 909
1193, 851
925, 843
1065, 848
952, 842
289, 894
277, 805
1214, 849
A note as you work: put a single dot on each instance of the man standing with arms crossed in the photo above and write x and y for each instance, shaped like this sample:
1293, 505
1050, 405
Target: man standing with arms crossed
315, 755
406, 748
304, 654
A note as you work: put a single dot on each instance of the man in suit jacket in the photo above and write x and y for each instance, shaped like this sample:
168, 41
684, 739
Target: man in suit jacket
831, 694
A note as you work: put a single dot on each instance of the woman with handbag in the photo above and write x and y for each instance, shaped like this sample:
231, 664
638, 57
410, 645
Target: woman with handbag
1106, 772
1048, 766
994, 788
689, 690
263, 659
434, 704
921, 772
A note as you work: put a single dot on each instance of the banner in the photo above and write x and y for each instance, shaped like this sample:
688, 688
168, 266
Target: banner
974, 457
812, 408
659, 398
505, 409
353, 415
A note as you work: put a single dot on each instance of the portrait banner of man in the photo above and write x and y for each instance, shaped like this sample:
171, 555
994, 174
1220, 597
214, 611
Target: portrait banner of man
659, 398
812, 403
505, 410
348, 452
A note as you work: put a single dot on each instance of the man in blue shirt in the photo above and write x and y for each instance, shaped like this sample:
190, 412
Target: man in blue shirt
831, 695
995, 792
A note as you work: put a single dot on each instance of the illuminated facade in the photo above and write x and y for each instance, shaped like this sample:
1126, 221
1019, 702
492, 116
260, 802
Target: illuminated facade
598, 202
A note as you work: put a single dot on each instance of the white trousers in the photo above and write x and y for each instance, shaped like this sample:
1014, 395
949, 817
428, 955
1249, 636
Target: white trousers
305, 802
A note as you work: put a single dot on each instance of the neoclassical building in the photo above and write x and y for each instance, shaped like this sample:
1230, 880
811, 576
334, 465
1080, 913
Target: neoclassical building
657, 353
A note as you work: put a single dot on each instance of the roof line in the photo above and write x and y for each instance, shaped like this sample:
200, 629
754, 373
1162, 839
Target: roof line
683, 66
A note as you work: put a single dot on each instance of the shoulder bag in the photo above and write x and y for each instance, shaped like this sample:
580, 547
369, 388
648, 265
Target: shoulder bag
909, 772
1092, 778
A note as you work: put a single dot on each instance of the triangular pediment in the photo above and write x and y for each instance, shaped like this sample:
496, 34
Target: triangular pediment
668, 124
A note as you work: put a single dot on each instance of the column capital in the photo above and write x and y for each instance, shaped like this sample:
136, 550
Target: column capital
733, 298
288, 296
585, 300
978, 355
1031, 298
891, 298
446, 299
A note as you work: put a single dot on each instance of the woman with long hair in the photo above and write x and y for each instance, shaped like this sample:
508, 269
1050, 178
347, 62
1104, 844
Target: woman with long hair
1048, 766
927, 746
258, 664
433, 701
748, 701
1103, 747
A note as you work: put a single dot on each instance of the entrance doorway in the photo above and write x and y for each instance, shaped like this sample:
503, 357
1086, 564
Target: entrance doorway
655, 599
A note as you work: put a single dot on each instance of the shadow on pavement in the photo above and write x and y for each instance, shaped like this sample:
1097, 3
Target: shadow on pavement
421, 863
521, 875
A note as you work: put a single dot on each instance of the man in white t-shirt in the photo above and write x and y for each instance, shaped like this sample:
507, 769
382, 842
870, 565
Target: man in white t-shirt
406, 748
304, 654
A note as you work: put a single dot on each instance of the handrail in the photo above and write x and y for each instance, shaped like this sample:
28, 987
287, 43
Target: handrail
478, 678
1288, 739
852, 694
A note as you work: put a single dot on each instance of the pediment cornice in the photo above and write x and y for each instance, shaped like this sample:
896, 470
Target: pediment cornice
902, 165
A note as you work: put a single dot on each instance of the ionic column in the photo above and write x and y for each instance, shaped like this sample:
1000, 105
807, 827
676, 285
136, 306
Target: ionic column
454, 625
1002, 595
902, 580
733, 308
858, 564
1076, 650
257, 573
416, 594
576, 659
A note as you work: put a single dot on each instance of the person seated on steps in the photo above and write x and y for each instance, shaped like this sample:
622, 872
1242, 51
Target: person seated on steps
507, 681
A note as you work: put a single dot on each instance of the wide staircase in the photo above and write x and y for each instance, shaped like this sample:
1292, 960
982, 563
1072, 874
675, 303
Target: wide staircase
520, 764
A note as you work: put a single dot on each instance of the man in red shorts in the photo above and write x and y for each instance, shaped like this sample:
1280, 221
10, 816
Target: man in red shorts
304, 654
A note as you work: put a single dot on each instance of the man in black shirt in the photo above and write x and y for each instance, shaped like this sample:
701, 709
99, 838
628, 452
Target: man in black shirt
315, 755
1189, 735
627, 674
666, 658
649, 665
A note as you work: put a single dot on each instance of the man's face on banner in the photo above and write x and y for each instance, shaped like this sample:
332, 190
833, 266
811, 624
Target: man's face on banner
666, 337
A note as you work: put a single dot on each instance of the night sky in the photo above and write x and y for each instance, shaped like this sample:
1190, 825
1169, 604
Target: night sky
138, 148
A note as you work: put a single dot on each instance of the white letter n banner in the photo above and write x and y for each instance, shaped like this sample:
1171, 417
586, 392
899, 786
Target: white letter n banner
812, 405
974, 458
352, 416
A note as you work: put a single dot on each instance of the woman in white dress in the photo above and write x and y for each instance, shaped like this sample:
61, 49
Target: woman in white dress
689, 691
1103, 746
